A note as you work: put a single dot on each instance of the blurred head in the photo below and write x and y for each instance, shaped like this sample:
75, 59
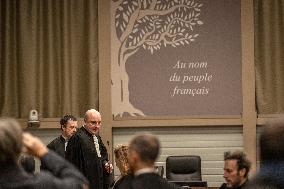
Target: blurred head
272, 141
10, 141
68, 126
144, 149
236, 168
93, 121
121, 159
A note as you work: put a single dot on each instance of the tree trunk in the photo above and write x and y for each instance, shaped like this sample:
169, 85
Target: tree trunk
120, 91
119, 77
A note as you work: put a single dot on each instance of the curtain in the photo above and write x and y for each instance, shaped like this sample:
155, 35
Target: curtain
48, 57
269, 56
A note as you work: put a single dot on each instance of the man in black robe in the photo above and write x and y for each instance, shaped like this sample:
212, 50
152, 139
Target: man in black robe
68, 125
87, 151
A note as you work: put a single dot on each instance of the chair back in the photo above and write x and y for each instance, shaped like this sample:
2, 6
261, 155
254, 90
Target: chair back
183, 168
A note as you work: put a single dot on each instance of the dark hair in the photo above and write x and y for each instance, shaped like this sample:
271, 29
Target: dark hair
147, 146
272, 141
242, 161
65, 119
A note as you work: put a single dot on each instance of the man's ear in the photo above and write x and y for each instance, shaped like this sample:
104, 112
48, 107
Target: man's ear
242, 172
135, 156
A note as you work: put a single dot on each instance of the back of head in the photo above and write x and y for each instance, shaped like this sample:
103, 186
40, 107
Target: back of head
147, 146
272, 141
10, 141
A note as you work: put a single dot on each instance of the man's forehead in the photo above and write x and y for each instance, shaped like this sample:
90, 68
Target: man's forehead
231, 163
71, 122
94, 116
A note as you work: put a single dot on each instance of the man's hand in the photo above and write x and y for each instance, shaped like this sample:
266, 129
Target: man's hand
34, 146
108, 167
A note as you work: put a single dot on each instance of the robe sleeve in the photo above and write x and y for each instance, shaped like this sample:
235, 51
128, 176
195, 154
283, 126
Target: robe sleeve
74, 153
104, 153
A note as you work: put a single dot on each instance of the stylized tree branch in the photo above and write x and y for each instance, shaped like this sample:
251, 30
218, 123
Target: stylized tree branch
131, 22
134, 48
148, 12
167, 33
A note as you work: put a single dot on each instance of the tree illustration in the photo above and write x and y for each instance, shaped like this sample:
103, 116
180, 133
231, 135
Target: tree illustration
151, 25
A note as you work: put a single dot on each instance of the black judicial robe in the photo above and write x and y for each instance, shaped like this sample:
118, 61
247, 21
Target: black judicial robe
82, 153
123, 182
151, 181
58, 145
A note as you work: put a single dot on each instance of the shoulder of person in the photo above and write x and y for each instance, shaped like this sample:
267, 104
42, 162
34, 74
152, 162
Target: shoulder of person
124, 182
53, 141
75, 138
127, 178
223, 186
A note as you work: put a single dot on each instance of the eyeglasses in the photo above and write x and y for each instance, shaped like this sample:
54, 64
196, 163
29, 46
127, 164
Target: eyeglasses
95, 122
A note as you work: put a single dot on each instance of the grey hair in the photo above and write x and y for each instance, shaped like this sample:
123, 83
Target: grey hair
10, 141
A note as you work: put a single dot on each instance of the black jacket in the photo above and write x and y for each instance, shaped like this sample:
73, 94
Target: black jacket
58, 145
151, 181
56, 173
224, 186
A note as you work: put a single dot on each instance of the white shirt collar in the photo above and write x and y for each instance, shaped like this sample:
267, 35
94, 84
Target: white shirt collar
66, 139
144, 170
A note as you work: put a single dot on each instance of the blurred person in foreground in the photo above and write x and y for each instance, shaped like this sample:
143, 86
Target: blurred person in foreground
236, 170
271, 172
121, 161
28, 163
68, 124
12, 176
144, 149
87, 152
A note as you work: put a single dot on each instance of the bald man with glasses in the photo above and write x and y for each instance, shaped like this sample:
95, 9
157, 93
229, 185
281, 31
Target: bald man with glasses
86, 151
